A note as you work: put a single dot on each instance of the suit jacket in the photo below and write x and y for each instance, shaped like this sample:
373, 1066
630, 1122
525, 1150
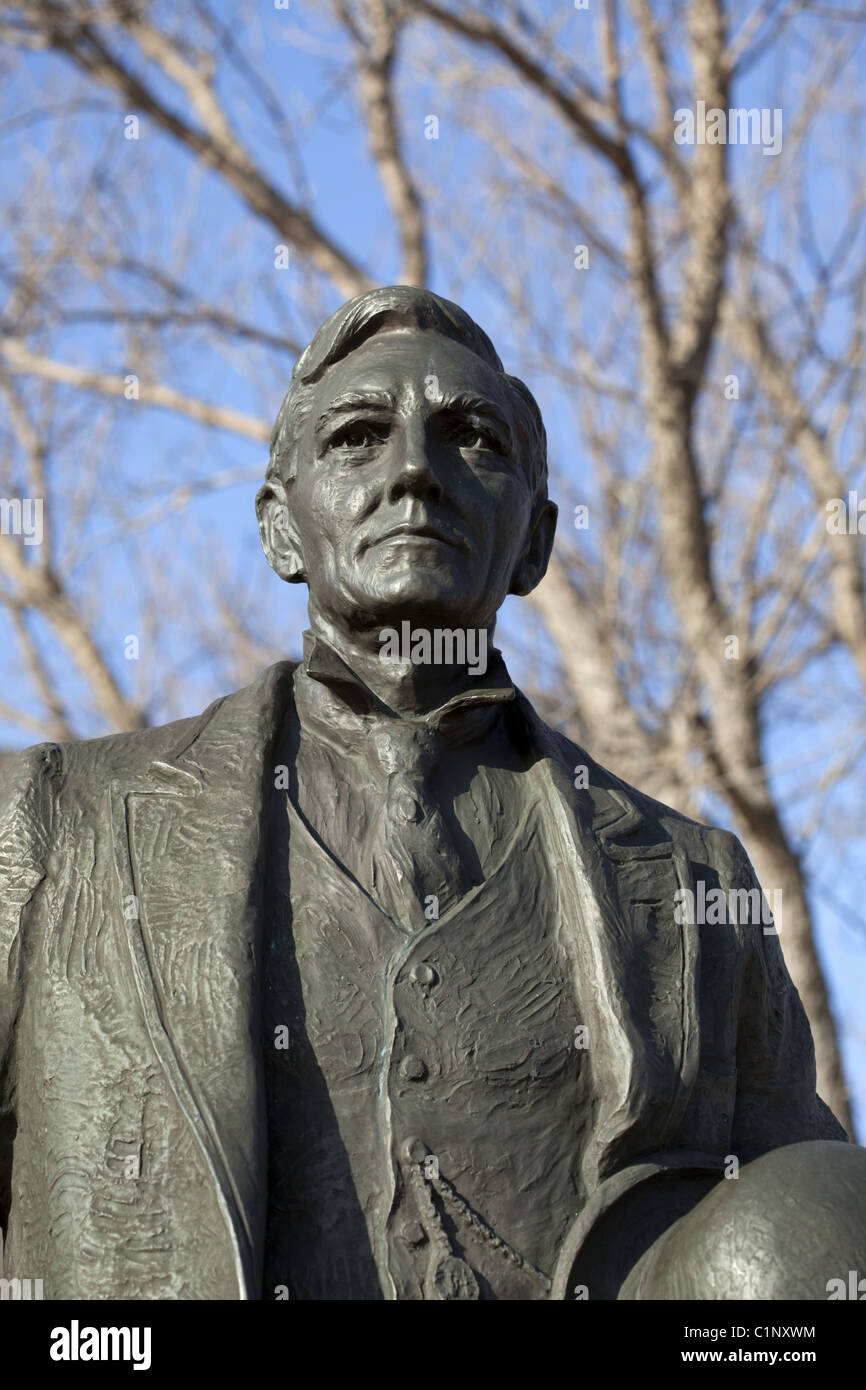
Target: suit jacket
132, 1128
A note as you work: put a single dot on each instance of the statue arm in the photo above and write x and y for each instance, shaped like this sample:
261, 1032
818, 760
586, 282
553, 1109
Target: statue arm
24, 840
776, 1102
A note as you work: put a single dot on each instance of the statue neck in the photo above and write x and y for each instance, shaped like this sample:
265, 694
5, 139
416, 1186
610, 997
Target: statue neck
405, 670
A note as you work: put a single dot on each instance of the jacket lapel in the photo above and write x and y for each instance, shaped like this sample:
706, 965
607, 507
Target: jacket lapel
637, 967
187, 837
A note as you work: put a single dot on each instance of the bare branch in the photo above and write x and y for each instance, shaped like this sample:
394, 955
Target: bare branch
213, 142
376, 49
20, 359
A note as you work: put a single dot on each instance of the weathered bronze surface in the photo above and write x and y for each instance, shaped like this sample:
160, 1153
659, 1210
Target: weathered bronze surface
365, 984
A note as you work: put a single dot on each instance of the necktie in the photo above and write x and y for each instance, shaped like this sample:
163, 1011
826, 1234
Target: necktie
416, 868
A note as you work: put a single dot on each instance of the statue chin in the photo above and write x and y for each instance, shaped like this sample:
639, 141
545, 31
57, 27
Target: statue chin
792, 1225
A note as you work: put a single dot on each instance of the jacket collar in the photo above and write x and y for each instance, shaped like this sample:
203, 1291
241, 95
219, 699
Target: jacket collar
339, 708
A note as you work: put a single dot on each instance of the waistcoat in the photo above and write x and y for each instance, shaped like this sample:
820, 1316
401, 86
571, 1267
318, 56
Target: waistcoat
426, 1100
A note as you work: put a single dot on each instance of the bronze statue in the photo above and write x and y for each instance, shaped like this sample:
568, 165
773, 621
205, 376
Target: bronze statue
365, 984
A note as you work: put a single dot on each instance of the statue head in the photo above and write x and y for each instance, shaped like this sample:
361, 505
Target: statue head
408, 471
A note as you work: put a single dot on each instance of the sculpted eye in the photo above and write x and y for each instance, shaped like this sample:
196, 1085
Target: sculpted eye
360, 434
466, 434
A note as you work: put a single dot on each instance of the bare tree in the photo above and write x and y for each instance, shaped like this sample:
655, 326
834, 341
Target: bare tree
688, 314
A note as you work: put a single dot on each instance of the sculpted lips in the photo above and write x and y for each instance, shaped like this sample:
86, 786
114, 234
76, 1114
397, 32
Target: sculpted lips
419, 533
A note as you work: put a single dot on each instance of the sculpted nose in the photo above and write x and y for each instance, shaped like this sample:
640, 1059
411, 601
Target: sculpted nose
414, 474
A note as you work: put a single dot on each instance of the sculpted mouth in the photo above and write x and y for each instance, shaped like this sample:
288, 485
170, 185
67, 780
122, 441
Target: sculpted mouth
422, 532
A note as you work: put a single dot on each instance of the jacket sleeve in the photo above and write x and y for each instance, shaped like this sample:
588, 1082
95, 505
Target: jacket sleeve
25, 820
776, 1100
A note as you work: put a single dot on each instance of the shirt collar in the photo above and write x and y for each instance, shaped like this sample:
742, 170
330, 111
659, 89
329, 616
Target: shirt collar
340, 702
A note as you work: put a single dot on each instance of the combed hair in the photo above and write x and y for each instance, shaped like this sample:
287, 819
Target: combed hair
357, 321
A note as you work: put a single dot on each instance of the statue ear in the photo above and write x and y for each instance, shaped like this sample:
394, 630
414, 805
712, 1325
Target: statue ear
280, 540
531, 567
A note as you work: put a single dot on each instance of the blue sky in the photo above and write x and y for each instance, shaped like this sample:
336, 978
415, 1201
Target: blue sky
229, 258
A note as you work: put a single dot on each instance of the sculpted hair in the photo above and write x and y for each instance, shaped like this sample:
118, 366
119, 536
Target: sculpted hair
357, 321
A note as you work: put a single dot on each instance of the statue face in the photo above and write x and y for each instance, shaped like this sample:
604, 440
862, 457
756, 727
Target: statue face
411, 500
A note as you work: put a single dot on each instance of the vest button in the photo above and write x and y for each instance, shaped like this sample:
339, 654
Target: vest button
412, 1068
414, 1149
407, 808
413, 1233
452, 1278
423, 975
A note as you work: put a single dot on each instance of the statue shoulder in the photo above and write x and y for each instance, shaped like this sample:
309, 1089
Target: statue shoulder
126, 755
587, 772
27, 781
641, 813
